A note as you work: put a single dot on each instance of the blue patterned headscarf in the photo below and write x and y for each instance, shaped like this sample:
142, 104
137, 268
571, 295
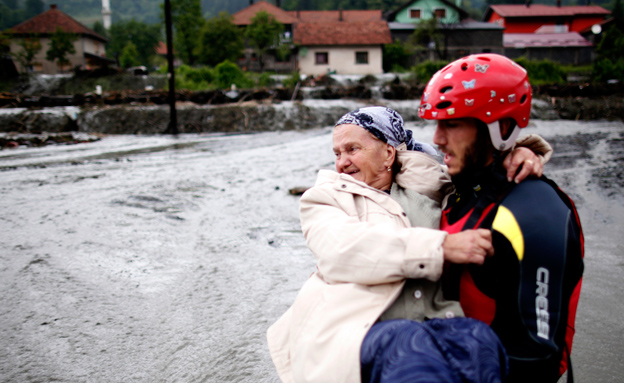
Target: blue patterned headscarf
387, 125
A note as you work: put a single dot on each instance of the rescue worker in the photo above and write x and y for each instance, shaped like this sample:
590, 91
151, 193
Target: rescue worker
529, 289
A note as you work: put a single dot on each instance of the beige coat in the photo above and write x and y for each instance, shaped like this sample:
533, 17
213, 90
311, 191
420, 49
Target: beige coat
365, 248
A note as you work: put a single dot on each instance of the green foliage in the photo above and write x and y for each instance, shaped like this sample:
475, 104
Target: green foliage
29, 49
543, 71
265, 80
396, 56
61, 45
609, 63
425, 70
10, 17
129, 54
5, 43
33, 8
98, 27
228, 73
195, 79
187, 21
292, 81
144, 36
220, 40
264, 32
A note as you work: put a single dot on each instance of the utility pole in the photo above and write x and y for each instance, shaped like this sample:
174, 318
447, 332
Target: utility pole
173, 116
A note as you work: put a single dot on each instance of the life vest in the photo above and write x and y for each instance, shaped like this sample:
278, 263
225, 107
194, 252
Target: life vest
525, 296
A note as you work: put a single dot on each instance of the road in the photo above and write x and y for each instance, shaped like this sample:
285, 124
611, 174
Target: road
161, 259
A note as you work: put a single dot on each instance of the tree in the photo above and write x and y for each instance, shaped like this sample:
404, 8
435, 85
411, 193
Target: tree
396, 56
264, 32
220, 39
33, 8
98, 27
434, 33
618, 15
609, 63
129, 54
61, 45
187, 20
144, 36
29, 49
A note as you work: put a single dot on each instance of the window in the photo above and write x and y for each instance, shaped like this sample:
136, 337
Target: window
361, 57
414, 13
321, 58
439, 13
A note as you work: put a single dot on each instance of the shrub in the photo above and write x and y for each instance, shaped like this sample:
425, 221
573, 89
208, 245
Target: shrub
265, 80
543, 71
292, 81
228, 73
425, 70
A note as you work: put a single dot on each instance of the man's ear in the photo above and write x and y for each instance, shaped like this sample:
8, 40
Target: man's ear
505, 127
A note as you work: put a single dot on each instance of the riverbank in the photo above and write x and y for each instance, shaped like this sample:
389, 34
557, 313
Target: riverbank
142, 110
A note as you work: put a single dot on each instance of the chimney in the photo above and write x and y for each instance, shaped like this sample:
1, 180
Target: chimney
527, 3
250, 3
52, 6
558, 3
340, 14
278, 3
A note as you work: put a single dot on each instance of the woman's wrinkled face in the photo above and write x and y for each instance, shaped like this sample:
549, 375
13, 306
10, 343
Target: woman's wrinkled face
363, 156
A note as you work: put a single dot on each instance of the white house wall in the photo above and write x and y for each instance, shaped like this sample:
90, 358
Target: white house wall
81, 45
340, 59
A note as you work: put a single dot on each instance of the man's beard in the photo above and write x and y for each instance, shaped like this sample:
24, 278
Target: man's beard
476, 157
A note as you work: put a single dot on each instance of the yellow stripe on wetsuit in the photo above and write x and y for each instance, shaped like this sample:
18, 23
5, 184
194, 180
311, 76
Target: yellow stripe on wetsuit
506, 224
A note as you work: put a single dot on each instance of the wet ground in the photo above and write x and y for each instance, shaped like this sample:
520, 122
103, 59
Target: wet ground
160, 259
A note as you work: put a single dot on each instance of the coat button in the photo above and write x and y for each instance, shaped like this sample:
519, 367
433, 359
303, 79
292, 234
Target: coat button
417, 294
404, 214
449, 314
344, 186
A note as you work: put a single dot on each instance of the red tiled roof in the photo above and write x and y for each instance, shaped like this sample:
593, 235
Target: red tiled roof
538, 40
342, 33
334, 16
244, 16
519, 10
46, 23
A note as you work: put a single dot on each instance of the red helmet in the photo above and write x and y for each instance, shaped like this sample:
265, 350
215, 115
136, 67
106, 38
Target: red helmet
487, 86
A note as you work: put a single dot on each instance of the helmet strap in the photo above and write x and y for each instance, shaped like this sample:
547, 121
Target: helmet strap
497, 139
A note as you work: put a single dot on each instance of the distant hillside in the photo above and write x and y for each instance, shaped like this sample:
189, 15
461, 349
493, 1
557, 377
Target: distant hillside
89, 11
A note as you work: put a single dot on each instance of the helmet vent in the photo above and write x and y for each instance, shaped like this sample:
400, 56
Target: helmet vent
446, 89
484, 58
464, 67
523, 99
443, 105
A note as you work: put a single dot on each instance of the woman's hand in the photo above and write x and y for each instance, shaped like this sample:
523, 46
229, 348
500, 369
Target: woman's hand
524, 159
470, 246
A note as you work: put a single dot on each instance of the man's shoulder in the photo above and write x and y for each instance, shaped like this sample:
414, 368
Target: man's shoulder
537, 202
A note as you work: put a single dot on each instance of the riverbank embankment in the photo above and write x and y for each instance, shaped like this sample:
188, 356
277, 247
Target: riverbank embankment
274, 109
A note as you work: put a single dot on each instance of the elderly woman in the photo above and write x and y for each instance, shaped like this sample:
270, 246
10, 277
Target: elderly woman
373, 311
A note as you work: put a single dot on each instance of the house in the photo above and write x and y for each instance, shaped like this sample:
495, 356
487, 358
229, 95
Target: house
565, 48
243, 18
345, 42
556, 33
90, 46
461, 34
530, 18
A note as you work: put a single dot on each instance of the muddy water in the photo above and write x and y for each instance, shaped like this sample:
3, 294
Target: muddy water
156, 259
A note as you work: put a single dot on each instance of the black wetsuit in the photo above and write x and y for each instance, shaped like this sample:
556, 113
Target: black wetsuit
528, 291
